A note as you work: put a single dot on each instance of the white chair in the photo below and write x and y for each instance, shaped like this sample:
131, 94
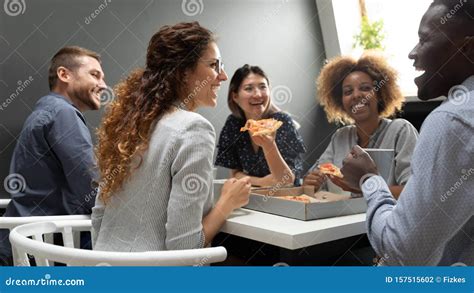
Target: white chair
11, 222
4, 202
67, 254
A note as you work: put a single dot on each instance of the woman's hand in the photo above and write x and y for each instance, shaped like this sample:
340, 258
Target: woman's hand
266, 142
315, 178
235, 194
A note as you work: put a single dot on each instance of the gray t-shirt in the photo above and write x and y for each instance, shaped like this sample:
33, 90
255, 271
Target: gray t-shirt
397, 134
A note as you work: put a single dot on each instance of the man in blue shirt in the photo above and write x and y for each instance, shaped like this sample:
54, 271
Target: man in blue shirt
53, 161
433, 221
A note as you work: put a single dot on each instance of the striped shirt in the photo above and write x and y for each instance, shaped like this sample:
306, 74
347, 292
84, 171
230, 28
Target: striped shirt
162, 205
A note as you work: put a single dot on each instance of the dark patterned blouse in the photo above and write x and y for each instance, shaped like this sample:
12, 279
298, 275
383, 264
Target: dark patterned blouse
235, 151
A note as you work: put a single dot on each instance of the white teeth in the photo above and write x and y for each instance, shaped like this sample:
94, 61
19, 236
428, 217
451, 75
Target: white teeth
421, 71
357, 106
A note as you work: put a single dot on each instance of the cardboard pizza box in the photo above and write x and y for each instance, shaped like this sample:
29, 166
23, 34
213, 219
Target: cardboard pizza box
324, 205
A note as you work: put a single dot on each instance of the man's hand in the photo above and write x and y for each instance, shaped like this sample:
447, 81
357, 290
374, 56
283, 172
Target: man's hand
342, 184
357, 164
314, 178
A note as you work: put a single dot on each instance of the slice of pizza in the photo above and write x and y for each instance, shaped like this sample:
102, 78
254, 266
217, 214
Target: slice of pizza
262, 126
330, 169
303, 198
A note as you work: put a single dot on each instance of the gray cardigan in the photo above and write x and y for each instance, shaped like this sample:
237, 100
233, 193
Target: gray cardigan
397, 134
162, 205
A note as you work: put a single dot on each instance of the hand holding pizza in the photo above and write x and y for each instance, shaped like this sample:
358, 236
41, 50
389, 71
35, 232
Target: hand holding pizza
315, 178
336, 176
265, 141
263, 132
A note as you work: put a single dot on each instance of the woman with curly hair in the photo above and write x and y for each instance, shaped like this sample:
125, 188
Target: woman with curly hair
155, 153
364, 93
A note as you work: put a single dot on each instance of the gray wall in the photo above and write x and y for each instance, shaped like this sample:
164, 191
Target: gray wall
283, 37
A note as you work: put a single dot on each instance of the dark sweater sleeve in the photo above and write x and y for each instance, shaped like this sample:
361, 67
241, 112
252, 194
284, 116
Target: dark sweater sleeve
290, 143
227, 152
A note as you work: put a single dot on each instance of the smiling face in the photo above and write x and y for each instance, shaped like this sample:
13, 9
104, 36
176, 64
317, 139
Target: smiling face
253, 96
359, 98
437, 55
85, 83
204, 82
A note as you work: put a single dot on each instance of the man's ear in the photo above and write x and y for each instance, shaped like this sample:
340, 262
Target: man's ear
64, 74
468, 46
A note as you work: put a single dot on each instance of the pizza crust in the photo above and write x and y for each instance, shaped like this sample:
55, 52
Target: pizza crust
262, 126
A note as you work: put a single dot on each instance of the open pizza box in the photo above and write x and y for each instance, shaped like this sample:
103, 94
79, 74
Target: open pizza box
323, 204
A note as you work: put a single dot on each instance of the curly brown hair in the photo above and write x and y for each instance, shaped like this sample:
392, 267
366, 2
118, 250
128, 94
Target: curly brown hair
389, 96
143, 98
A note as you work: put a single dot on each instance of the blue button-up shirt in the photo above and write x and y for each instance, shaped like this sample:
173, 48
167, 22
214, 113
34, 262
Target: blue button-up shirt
53, 162
433, 221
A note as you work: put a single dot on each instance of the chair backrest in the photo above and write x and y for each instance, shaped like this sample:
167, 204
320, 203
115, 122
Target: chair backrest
3, 203
11, 222
44, 253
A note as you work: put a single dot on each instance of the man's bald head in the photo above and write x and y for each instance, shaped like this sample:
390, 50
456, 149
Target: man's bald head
445, 51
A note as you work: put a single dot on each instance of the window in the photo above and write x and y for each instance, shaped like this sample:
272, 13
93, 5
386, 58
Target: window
401, 20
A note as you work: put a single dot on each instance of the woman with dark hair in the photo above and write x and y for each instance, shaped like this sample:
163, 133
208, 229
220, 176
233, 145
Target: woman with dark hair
268, 159
155, 153
364, 93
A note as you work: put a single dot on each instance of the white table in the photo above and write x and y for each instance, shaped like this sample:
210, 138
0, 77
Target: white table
290, 233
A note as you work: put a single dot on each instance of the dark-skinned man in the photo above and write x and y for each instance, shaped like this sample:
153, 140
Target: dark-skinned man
433, 221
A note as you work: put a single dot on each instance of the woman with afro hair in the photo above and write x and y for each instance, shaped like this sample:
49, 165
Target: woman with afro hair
363, 94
